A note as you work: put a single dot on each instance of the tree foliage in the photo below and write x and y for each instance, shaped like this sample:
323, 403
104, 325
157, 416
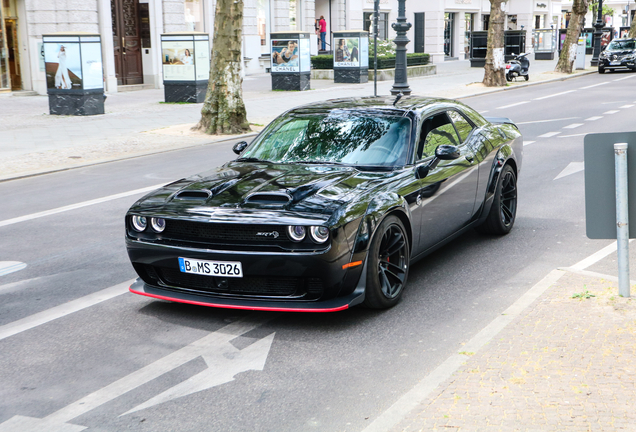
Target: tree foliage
223, 110
568, 52
495, 67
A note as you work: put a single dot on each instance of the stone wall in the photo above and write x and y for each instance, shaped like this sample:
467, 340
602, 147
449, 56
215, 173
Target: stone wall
174, 16
52, 16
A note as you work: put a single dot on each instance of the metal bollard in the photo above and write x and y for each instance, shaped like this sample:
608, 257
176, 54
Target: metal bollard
622, 218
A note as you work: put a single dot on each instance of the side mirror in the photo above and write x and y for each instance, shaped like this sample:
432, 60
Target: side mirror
239, 147
447, 152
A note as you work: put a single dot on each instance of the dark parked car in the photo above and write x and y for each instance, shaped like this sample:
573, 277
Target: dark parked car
619, 54
328, 207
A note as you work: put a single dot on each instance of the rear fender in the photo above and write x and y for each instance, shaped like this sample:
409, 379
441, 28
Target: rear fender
505, 156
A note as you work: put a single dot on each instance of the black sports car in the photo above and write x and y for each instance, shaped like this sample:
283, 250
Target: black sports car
619, 54
328, 206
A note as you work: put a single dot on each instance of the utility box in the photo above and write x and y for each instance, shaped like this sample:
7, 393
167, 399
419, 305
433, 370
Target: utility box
291, 60
74, 73
351, 56
544, 43
186, 66
579, 63
514, 44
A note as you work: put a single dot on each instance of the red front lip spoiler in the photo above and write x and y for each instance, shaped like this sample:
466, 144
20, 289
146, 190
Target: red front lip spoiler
228, 306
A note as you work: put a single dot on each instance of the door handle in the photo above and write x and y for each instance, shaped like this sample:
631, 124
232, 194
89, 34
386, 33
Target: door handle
123, 45
469, 158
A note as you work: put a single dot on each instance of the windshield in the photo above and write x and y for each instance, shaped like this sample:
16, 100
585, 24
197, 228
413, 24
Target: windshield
336, 137
621, 45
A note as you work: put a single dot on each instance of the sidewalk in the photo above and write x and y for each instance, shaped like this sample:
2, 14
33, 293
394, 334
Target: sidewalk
566, 363
138, 123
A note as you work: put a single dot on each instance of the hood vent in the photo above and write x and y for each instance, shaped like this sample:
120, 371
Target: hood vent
200, 195
269, 199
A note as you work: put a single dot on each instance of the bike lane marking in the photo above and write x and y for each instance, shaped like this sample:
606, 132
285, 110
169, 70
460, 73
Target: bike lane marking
78, 205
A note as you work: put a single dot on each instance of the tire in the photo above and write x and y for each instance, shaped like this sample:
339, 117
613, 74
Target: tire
502, 215
527, 77
601, 70
508, 78
388, 265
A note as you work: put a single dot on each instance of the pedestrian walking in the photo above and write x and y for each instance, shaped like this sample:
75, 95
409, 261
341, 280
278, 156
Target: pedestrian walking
323, 31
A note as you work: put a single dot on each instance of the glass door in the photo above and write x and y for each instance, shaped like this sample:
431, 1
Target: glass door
449, 20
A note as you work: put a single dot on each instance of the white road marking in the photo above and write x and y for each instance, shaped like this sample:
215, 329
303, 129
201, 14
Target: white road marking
549, 134
594, 85
546, 121
512, 105
611, 112
62, 310
594, 118
572, 168
214, 347
78, 205
573, 126
570, 136
7, 267
627, 77
626, 106
553, 95
525, 143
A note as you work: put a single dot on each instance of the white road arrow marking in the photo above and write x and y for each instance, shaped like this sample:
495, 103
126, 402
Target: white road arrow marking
7, 267
572, 168
212, 348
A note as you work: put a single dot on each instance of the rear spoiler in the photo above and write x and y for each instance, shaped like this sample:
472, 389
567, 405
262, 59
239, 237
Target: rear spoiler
500, 120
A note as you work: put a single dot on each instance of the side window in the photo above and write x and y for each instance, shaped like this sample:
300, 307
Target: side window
436, 130
463, 127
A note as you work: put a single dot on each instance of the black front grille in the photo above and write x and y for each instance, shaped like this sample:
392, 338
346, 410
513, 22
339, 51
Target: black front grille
256, 286
214, 232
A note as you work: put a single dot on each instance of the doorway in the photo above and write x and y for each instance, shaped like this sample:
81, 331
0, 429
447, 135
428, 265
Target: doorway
419, 32
127, 42
449, 26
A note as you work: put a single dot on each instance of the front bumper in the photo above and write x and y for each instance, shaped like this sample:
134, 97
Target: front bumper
607, 63
303, 281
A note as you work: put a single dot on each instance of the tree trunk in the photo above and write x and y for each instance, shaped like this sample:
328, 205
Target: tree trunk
223, 110
495, 68
632, 29
568, 52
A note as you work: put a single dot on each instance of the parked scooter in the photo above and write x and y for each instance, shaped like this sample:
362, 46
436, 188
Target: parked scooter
518, 67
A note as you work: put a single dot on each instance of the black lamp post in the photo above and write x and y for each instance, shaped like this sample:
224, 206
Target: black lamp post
401, 86
598, 25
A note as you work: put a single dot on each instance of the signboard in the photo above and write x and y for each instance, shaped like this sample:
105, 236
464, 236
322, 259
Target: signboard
92, 65
600, 183
364, 52
178, 60
285, 55
202, 59
347, 52
63, 63
305, 55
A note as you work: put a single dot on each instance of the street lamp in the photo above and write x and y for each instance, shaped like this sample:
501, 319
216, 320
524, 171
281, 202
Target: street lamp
401, 86
598, 25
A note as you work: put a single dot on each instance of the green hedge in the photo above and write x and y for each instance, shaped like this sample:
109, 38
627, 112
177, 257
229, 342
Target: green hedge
384, 62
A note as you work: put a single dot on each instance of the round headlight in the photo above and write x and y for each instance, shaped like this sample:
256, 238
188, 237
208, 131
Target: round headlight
296, 232
319, 234
139, 223
158, 224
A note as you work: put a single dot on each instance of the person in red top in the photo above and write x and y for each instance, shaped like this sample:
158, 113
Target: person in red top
323, 31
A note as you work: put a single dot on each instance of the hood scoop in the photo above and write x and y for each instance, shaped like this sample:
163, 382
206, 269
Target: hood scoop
269, 199
195, 195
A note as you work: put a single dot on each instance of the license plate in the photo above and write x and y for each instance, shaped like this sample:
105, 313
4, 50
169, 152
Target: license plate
615, 63
211, 268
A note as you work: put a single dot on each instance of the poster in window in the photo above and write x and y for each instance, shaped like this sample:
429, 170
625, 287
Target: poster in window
285, 55
347, 52
178, 60
62, 63
92, 66
202, 59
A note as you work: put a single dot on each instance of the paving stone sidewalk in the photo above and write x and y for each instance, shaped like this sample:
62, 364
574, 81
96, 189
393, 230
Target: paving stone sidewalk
567, 363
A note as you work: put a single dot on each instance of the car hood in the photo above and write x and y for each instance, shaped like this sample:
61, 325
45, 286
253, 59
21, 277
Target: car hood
620, 52
317, 189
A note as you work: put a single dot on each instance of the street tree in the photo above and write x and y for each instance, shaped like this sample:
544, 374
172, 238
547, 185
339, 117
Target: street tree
632, 29
495, 67
568, 52
223, 110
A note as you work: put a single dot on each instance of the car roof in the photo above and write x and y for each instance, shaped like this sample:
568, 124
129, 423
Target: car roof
384, 103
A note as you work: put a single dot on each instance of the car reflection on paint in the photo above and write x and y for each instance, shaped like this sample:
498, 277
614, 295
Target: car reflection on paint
328, 207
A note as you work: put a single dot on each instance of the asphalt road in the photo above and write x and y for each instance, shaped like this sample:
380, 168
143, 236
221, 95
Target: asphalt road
132, 363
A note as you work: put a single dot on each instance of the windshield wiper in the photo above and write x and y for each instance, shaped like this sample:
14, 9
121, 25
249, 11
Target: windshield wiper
319, 163
250, 159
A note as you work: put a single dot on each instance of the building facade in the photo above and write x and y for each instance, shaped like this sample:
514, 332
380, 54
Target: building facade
131, 30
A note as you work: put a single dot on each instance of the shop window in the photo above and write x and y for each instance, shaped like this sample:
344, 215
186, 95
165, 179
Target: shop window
485, 21
262, 22
383, 25
194, 15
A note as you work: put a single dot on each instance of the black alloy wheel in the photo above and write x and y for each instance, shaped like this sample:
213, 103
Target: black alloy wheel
388, 265
501, 217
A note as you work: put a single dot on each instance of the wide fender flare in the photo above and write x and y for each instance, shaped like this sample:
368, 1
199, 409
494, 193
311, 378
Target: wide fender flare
379, 207
505, 155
